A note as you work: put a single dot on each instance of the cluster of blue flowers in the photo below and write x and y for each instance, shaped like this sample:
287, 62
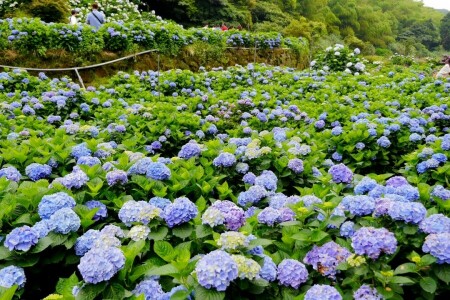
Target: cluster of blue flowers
217, 270
372, 242
326, 258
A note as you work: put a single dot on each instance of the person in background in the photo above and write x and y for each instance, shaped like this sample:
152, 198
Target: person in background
73, 18
224, 27
445, 71
95, 18
206, 26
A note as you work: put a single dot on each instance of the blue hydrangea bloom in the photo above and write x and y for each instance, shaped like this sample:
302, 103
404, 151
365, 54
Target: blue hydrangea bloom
102, 211
440, 192
233, 216
225, 160
42, 228
365, 186
341, 173
140, 167
158, 171
99, 265
359, 205
85, 242
326, 258
10, 173
116, 177
80, 150
437, 223
21, 238
88, 161
12, 275
268, 270
438, 245
296, 165
64, 221
268, 180
383, 142
407, 191
408, 212
310, 200
372, 242
252, 195
159, 202
347, 229
269, 216
51, 203
292, 273
396, 181
36, 171
76, 179
322, 292
249, 178
216, 270
189, 150
182, 210
365, 292
138, 212
150, 288
168, 295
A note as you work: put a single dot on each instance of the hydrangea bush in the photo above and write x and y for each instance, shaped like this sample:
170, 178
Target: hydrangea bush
252, 182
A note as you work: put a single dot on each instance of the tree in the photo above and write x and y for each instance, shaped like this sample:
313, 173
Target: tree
445, 31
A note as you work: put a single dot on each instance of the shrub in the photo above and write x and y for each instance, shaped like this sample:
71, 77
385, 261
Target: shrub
50, 10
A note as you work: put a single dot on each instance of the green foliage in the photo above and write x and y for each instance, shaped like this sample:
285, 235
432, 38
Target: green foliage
50, 10
445, 31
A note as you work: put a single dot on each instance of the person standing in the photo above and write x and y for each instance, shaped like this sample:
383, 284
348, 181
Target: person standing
445, 71
73, 18
95, 18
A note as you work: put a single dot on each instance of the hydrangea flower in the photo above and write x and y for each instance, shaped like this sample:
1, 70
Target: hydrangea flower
438, 245
51, 203
409, 212
440, 192
372, 242
247, 268
365, 185
140, 167
269, 216
396, 181
150, 288
159, 202
225, 160
347, 229
190, 150
326, 258
36, 171
12, 275
21, 238
437, 223
138, 232
216, 270
182, 210
88, 161
76, 179
249, 178
322, 292
80, 150
10, 173
158, 171
292, 273
85, 242
268, 180
341, 173
253, 195
102, 211
138, 212
42, 228
64, 221
296, 165
116, 177
358, 205
232, 240
99, 265
224, 213
268, 270
365, 292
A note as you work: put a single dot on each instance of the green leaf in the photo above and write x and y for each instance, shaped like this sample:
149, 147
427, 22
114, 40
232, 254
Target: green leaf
442, 272
183, 231
406, 268
90, 291
317, 236
163, 270
260, 242
427, 260
65, 285
164, 250
180, 295
7, 294
43, 244
428, 284
158, 234
401, 280
114, 291
205, 294
4, 253
202, 231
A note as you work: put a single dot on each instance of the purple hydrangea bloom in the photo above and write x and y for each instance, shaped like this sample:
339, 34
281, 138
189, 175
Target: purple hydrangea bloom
182, 210
224, 160
36, 171
341, 173
216, 270
10, 173
234, 216
158, 171
101, 264
12, 275
116, 177
292, 273
21, 238
437, 223
396, 181
322, 292
102, 211
440, 192
269, 216
51, 203
326, 258
296, 165
372, 242
438, 245
365, 292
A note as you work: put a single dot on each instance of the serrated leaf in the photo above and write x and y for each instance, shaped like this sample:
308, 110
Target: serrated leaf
205, 294
183, 231
428, 284
163, 270
202, 231
158, 234
42, 244
442, 272
114, 291
90, 291
4, 253
406, 268
65, 286
164, 250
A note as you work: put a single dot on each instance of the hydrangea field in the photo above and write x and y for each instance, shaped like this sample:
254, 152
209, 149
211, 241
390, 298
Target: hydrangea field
252, 182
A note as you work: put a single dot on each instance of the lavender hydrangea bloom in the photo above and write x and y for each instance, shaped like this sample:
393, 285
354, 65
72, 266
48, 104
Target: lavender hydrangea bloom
10, 173
322, 292
175, 289
99, 265
365, 185
36, 171
326, 258
383, 142
249, 178
269, 216
138, 212
182, 210
189, 150
150, 288
296, 165
85, 242
365, 292
158, 171
347, 229
396, 181
359, 205
64, 221
268, 270
88, 161
310, 200
140, 167
252, 195
292, 273
159, 202
76, 179
225, 160
268, 180
216, 270
233, 216
438, 245
12, 275
437, 223
409, 212
341, 173
80, 150
21, 238
42, 228
116, 177
102, 211
372, 242
286, 214
440, 192
51, 203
